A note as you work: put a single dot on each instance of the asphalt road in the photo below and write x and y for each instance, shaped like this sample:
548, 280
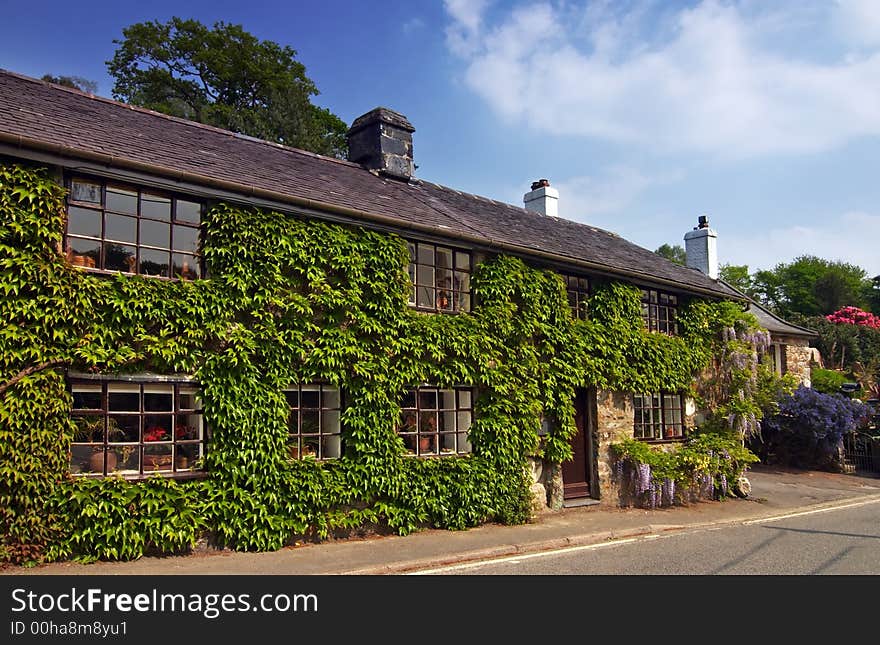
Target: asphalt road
837, 541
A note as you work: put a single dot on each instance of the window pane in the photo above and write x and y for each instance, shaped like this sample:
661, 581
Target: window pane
331, 447
310, 398
118, 257
158, 427
188, 399
428, 399
409, 399
83, 191
84, 253
83, 221
124, 427
187, 427
87, 397
185, 267
292, 397
155, 206
462, 261
186, 239
444, 258
309, 422
88, 428
158, 398
123, 397
154, 262
426, 254
155, 234
120, 228
426, 297
189, 211
464, 399
331, 398
121, 200
447, 422
462, 301
330, 422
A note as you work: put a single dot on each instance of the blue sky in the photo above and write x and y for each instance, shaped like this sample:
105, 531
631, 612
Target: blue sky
765, 116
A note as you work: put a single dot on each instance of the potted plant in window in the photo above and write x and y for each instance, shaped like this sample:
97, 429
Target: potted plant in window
91, 430
156, 456
183, 433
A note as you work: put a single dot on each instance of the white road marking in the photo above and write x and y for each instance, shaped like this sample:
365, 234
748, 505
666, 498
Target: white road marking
514, 559
776, 518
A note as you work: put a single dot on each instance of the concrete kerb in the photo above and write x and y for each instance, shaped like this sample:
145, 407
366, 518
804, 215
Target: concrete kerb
598, 537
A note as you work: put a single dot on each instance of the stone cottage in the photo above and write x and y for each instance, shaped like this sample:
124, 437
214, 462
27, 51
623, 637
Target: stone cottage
152, 201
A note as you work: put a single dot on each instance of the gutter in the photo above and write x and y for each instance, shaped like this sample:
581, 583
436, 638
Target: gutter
62, 151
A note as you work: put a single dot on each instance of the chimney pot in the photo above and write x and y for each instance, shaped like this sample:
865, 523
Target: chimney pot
542, 199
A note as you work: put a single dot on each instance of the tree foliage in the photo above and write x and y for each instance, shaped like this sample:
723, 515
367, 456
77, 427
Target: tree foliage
811, 286
76, 82
225, 77
737, 276
673, 253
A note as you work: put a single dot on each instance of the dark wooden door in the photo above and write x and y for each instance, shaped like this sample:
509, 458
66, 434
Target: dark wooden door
577, 473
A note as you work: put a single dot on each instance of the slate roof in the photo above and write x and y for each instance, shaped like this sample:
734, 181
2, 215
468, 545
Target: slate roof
776, 325
39, 116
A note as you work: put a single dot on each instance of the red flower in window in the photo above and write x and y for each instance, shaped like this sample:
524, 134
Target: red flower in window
156, 433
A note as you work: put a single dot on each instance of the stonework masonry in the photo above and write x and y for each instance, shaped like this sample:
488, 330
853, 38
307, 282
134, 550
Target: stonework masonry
797, 358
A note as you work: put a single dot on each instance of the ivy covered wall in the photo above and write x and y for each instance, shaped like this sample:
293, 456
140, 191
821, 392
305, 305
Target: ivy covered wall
292, 300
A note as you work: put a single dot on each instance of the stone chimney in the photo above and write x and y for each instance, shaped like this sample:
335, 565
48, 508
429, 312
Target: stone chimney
381, 140
542, 199
701, 248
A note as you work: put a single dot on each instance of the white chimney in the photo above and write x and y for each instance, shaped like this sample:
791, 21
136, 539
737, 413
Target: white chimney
701, 248
542, 199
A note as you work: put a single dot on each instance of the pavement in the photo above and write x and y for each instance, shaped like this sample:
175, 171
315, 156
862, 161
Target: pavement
774, 492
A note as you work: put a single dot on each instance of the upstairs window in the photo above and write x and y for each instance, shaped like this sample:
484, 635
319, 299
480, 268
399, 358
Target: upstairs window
435, 421
578, 290
658, 416
659, 311
111, 227
135, 428
440, 277
314, 426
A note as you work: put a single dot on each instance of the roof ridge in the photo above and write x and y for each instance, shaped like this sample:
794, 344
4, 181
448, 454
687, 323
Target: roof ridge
176, 119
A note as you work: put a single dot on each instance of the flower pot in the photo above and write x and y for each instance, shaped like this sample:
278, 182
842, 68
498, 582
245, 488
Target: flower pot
157, 461
182, 462
425, 444
96, 461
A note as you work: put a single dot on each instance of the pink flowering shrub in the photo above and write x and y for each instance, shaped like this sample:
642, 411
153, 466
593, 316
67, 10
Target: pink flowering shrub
854, 316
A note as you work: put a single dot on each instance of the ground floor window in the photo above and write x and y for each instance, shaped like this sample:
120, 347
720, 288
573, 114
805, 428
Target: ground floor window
435, 421
658, 416
132, 427
314, 426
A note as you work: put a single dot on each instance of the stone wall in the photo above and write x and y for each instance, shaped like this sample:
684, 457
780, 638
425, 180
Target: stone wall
614, 421
797, 359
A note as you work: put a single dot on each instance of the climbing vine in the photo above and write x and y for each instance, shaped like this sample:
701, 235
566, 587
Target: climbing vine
290, 301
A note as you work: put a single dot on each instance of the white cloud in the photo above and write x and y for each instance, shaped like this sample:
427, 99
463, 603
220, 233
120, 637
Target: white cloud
859, 20
707, 79
464, 30
584, 198
851, 237
412, 25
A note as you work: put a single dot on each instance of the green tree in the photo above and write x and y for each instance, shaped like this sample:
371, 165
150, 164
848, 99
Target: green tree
224, 77
811, 286
737, 275
76, 82
672, 253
